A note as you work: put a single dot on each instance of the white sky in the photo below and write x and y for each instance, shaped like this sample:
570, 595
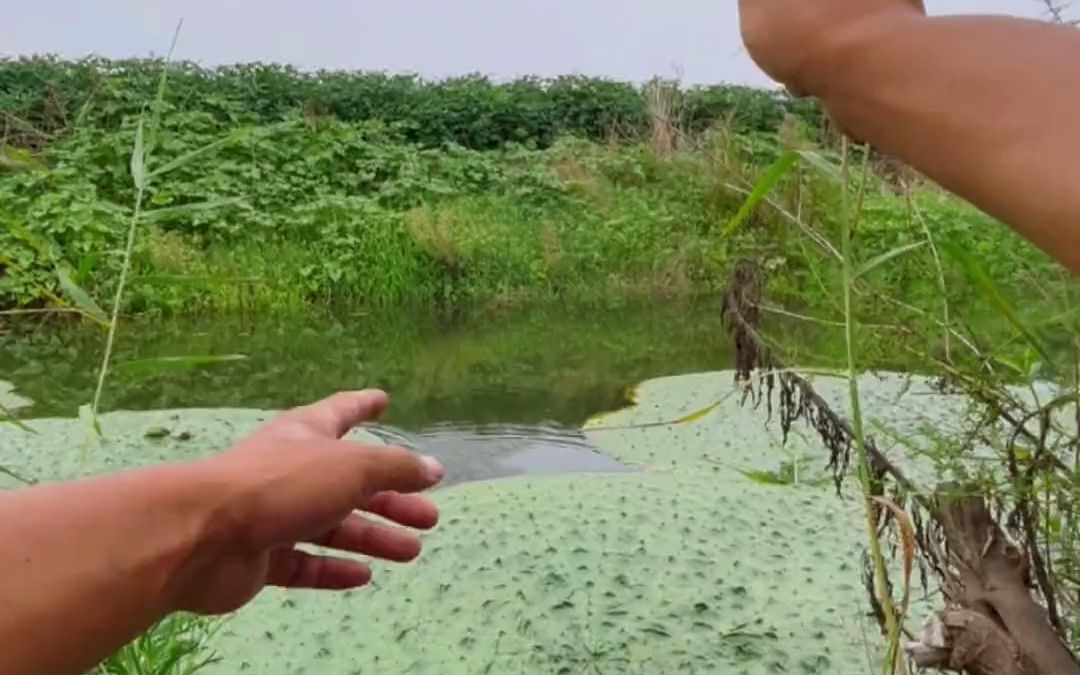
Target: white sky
623, 39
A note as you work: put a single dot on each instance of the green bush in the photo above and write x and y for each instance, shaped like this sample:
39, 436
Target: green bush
50, 95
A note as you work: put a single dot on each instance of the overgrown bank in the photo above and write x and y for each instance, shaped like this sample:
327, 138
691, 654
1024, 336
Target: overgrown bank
270, 202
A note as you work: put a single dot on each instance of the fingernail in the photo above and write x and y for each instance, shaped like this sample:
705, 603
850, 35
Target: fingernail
434, 468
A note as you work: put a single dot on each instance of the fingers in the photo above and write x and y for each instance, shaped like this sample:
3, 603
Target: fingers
333, 417
394, 469
357, 534
296, 569
408, 510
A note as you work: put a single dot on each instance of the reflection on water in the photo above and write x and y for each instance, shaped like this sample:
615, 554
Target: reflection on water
491, 396
526, 367
487, 452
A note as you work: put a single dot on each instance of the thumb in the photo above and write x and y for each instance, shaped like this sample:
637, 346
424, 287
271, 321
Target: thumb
334, 416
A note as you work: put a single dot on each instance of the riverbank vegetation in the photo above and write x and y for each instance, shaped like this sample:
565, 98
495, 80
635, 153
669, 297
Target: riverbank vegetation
299, 190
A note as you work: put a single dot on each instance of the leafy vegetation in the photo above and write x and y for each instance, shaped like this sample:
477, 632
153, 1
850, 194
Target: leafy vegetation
177, 645
49, 95
261, 211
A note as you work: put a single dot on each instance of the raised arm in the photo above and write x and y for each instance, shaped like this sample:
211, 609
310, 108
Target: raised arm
986, 106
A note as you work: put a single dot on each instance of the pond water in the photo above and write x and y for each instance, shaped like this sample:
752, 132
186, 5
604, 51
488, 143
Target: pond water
492, 396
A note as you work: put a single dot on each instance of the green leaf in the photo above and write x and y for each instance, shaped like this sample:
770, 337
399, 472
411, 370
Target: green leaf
189, 157
821, 163
765, 184
697, 415
1011, 364
172, 364
209, 205
79, 297
138, 158
86, 266
877, 261
159, 99
989, 290
34, 241
18, 159
764, 478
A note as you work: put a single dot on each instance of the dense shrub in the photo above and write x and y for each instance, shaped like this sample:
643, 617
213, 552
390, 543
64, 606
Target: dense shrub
472, 111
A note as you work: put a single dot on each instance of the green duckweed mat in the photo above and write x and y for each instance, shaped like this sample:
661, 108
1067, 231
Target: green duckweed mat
692, 566
616, 574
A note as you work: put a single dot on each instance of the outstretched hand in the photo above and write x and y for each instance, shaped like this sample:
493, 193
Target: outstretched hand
295, 481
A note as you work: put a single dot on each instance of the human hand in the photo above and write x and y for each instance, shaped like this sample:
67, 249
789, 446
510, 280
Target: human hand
295, 481
785, 37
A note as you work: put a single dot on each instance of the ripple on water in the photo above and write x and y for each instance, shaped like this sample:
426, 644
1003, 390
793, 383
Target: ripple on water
487, 452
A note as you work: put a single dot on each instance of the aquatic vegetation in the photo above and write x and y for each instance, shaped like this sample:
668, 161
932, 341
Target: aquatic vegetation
634, 573
737, 435
672, 570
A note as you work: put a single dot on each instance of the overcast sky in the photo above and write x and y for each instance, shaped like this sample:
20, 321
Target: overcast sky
624, 39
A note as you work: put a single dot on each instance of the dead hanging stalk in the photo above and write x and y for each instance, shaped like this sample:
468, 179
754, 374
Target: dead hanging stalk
798, 399
991, 623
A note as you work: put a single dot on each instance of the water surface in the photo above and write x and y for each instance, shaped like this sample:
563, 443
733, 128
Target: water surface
492, 395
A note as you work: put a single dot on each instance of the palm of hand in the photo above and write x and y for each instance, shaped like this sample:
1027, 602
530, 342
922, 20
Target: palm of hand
295, 482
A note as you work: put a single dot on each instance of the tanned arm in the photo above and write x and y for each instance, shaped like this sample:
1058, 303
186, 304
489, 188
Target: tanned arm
989, 107
85, 566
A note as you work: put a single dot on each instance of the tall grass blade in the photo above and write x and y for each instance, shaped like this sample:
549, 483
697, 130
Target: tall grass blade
189, 157
86, 266
89, 419
195, 207
877, 261
818, 161
977, 275
849, 223
79, 297
172, 364
946, 336
185, 279
138, 157
8, 417
697, 415
159, 97
907, 548
773, 175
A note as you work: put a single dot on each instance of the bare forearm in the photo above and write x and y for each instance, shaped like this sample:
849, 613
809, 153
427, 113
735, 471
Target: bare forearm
91, 560
987, 107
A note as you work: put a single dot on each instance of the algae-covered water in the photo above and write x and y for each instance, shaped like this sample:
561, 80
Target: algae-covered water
581, 532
